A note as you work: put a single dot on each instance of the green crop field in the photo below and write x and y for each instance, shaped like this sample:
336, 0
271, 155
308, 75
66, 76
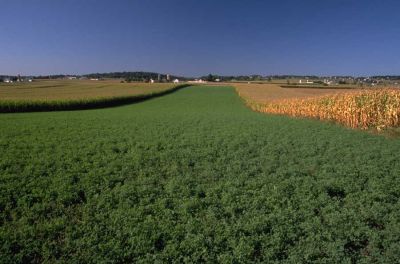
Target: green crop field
194, 176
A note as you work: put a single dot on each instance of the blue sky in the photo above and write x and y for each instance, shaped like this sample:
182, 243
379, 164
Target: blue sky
197, 37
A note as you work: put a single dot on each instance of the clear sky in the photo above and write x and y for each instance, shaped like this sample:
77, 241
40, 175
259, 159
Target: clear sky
197, 37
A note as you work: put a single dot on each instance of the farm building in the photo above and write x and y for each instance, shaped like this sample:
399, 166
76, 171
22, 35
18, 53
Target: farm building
307, 82
176, 81
197, 81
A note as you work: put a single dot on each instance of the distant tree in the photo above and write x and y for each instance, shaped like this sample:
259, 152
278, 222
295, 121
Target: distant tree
210, 78
133, 76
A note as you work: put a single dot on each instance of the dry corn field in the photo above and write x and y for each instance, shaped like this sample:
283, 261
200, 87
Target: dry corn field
266, 93
57, 95
55, 90
361, 109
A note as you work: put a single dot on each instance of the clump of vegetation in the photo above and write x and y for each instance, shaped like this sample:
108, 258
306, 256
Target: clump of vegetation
362, 109
193, 177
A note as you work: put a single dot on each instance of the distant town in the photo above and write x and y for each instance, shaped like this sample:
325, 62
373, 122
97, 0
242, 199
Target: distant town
153, 77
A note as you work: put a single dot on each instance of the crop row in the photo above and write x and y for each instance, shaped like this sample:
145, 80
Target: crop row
363, 109
14, 106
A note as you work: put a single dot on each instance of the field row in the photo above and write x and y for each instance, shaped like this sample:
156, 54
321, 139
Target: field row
55, 90
361, 109
266, 93
357, 108
73, 95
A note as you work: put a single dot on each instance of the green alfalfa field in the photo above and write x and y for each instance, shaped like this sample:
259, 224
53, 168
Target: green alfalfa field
194, 176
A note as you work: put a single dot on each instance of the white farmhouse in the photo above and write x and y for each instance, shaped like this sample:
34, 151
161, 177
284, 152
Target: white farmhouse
197, 81
307, 81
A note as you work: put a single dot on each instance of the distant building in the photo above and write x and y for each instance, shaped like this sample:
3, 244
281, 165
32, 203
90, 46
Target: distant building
176, 81
197, 81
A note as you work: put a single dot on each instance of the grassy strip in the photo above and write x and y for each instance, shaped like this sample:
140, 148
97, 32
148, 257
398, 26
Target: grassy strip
17, 106
365, 109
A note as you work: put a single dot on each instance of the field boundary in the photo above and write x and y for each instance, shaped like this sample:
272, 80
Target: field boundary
318, 87
22, 106
248, 102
